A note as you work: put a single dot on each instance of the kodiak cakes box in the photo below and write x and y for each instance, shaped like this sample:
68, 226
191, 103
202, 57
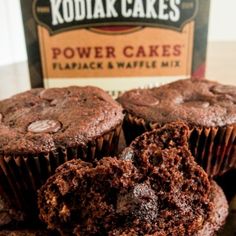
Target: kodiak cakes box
114, 44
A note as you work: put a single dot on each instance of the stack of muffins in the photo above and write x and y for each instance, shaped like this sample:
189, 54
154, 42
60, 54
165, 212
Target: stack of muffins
59, 160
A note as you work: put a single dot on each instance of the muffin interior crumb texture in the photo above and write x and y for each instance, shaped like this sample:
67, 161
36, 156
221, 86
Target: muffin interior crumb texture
153, 188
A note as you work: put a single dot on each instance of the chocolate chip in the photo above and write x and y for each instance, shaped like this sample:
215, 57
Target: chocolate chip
178, 100
140, 201
127, 154
54, 102
223, 89
43, 95
51, 94
199, 104
149, 100
205, 104
1, 117
44, 126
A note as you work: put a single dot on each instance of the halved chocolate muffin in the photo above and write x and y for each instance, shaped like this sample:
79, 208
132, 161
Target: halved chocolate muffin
208, 108
154, 188
42, 128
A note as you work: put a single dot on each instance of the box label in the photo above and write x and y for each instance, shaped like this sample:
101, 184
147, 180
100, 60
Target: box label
60, 15
102, 42
86, 48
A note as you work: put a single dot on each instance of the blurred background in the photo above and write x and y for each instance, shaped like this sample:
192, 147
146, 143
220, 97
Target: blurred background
12, 45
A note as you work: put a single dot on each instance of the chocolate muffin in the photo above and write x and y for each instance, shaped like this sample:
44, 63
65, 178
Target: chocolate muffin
42, 128
208, 108
154, 188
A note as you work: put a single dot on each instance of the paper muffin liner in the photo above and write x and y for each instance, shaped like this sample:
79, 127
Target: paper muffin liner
133, 127
21, 176
214, 148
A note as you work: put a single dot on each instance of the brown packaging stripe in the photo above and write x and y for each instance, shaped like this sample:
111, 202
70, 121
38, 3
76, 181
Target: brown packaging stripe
214, 148
21, 176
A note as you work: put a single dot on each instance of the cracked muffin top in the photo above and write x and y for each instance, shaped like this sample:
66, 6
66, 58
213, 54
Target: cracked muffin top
194, 101
40, 120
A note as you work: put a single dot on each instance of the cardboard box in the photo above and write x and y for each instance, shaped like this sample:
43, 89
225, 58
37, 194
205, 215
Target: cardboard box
115, 44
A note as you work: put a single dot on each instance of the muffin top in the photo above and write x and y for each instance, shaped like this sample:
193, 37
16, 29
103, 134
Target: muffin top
194, 101
154, 188
40, 120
